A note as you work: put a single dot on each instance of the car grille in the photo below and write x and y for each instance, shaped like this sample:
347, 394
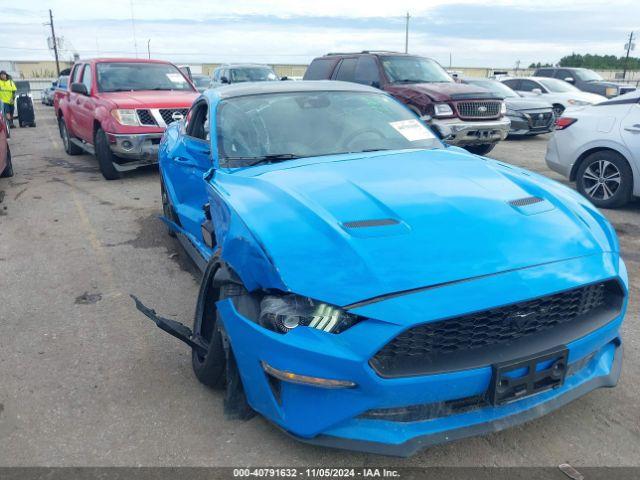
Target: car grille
478, 109
540, 119
167, 114
476, 339
145, 117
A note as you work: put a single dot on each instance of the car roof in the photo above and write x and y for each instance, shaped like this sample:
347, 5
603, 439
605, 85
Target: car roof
258, 88
241, 65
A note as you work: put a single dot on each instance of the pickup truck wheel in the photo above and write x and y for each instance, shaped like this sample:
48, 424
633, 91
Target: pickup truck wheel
105, 156
606, 179
8, 170
69, 147
480, 149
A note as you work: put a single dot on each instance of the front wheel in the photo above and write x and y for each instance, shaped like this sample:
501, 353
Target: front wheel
558, 110
106, 158
8, 169
480, 149
167, 208
606, 179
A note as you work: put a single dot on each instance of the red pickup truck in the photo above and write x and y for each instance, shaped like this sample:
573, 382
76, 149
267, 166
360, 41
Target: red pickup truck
118, 108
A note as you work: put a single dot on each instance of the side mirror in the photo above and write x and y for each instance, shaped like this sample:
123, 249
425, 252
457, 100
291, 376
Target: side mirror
536, 91
569, 80
79, 88
284, 79
224, 80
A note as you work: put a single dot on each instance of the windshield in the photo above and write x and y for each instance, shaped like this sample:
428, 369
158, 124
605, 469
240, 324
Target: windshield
306, 124
495, 87
121, 77
557, 86
413, 70
588, 76
252, 74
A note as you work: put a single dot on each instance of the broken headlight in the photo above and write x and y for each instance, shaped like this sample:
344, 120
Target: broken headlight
286, 312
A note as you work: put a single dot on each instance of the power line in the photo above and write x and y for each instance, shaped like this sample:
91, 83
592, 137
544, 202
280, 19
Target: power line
170, 53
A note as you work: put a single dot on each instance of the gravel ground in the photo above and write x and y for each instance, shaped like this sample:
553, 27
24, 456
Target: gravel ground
86, 380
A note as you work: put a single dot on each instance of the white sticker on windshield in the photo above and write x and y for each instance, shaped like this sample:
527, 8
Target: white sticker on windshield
176, 77
412, 130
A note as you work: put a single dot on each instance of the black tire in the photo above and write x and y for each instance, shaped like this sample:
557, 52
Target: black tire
106, 158
69, 147
209, 369
8, 170
480, 149
33, 125
20, 124
606, 179
167, 208
558, 110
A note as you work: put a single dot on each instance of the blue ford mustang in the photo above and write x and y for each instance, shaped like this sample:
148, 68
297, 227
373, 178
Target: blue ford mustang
366, 286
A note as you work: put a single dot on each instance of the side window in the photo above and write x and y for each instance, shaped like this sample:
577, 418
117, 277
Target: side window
367, 72
347, 70
86, 77
76, 73
562, 74
216, 75
513, 84
320, 69
197, 124
529, 86
544, 72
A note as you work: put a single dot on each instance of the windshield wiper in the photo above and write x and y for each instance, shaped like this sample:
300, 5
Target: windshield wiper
259, 160
412, 80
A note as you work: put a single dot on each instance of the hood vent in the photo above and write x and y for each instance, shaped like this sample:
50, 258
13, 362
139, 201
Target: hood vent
526, 201
376, 222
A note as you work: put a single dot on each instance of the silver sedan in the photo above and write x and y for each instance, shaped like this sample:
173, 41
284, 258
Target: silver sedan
598, 147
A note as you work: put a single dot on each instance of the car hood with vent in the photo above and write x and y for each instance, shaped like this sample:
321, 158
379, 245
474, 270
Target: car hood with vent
348, 228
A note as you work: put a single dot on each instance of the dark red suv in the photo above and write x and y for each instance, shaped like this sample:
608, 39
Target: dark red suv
464, 115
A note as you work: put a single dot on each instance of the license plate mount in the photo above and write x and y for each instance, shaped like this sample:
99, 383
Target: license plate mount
517, 379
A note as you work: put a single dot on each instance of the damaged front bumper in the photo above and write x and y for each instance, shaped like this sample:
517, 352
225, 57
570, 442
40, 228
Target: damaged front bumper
398, 416
462, 133
141, 148
323, 388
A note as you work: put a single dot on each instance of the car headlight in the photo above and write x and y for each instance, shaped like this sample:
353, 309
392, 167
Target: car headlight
611, 91
503, 108
578, 103
126, 117
442, 110
513, 113
283, 313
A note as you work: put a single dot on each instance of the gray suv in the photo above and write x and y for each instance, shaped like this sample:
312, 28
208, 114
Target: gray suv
586, 80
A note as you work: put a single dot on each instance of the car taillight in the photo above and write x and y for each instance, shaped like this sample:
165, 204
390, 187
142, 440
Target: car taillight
565, 122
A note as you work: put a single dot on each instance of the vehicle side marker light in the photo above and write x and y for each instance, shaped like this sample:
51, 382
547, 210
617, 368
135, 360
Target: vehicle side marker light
304, 379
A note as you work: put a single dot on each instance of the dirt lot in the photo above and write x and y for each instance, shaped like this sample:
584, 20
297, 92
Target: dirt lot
86, 380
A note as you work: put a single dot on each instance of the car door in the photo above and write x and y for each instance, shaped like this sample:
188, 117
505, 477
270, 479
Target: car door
84, 107
630, 132
189, 161
72, 98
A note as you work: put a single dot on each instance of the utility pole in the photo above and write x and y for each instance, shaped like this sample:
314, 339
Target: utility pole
149, 48
629, 46
406, 35
54, 40
133, 27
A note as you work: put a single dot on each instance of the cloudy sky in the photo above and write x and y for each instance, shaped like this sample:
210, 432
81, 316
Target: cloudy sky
473, 32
